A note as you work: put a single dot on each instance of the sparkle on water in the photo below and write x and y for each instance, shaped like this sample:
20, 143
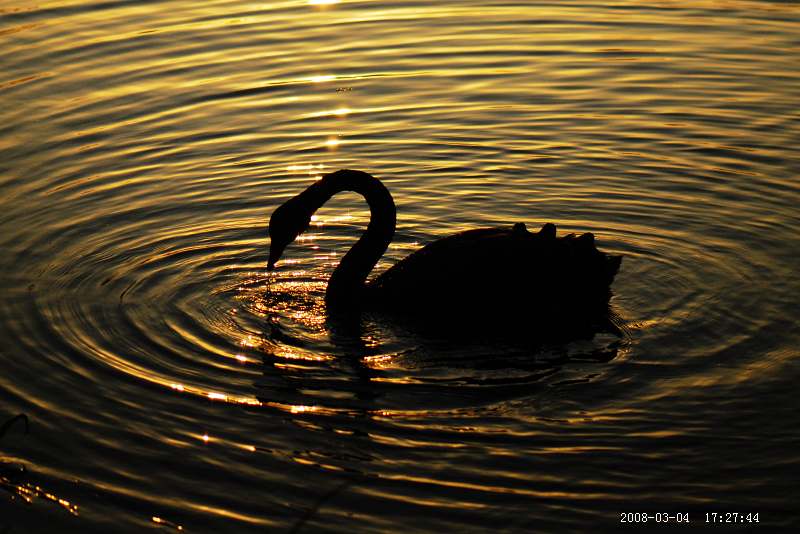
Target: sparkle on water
172, 382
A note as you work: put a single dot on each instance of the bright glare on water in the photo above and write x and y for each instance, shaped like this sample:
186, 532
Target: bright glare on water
171, 382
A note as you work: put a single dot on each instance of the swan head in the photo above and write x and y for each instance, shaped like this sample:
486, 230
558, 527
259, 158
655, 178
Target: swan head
287, 222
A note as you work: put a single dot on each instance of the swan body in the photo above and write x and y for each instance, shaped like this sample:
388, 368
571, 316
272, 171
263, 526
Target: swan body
504, 274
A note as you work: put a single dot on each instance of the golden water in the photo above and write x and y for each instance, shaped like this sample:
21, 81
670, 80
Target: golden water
144, 145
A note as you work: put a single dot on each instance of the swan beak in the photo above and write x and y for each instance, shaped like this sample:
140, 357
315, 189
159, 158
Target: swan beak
275, 252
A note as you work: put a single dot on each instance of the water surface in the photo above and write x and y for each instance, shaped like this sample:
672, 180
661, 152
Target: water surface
171, 382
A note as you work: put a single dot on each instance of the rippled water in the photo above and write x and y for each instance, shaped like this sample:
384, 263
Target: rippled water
170, 382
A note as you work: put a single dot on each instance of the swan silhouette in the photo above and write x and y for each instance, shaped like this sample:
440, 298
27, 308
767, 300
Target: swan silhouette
506, 274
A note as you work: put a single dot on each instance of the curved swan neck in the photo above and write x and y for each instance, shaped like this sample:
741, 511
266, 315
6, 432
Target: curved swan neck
347, 281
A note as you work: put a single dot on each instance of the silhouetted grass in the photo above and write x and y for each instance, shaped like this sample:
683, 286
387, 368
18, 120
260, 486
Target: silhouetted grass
7, 424
318, 504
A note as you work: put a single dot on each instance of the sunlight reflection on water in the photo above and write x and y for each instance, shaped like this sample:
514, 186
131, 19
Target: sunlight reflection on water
171, 381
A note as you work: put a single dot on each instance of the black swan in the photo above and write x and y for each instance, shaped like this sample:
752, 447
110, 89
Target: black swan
496, 275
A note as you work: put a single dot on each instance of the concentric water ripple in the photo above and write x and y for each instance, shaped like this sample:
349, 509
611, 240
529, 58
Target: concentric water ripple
171, 381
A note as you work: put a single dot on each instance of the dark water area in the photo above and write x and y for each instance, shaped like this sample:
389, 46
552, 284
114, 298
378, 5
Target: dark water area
171, 382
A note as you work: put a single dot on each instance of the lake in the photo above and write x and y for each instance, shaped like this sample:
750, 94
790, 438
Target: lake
172, 382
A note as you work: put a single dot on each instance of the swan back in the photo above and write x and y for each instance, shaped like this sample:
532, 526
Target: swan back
501, 275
